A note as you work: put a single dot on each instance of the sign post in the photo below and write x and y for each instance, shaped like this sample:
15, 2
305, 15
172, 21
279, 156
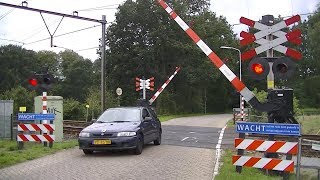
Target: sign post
119, 93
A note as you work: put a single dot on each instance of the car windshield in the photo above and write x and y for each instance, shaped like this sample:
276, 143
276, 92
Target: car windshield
119, 115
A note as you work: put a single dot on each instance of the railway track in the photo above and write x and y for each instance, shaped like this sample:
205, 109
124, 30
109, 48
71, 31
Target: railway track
73, 128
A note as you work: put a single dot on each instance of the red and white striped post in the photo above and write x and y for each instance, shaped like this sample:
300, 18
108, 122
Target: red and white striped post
242, 108
155, 96
44, 111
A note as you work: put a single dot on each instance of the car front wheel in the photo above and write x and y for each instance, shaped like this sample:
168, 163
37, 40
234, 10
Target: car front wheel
139, 147
87, 151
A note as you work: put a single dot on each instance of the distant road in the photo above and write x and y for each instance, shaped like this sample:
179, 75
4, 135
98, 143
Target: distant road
187, 152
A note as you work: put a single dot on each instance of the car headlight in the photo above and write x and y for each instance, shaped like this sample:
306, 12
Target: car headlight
84, 134
126, 133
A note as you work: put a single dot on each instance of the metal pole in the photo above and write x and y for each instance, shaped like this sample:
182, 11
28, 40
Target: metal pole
241, 135
241, 101
103, 64
299, 158
87, 114
143, 88
240, 76
11, 127
205, 101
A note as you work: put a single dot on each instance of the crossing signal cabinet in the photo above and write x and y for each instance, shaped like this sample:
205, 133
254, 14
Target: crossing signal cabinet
286, 96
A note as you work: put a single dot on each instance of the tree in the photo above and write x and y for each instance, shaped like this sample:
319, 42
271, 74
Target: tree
16, 65
21, 97
77, 75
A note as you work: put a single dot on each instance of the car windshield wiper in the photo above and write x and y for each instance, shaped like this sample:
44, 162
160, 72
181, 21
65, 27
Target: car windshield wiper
101, 122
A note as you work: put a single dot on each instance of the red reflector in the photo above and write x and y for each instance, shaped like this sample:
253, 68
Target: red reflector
257, 68
33, 82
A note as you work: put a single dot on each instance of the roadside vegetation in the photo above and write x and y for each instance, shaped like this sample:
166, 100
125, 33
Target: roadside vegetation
10, 155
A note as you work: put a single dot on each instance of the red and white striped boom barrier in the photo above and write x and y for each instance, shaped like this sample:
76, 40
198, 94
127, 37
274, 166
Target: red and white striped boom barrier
265, 146
234, 80
155, 96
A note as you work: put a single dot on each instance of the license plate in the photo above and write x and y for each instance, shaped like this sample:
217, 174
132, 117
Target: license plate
105, 141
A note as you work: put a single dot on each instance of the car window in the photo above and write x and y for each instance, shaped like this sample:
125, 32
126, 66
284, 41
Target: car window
119, 115
153, 113
145, 113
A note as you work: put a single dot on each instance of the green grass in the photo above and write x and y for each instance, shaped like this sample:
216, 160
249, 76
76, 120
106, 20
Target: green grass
311, 111
10, 155
310, 124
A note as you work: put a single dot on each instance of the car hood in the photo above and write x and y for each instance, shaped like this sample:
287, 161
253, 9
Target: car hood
112, 127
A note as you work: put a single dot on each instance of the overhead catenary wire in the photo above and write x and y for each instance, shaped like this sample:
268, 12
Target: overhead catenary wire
8, 12
86, 49
11, 40
71, 32
100, 8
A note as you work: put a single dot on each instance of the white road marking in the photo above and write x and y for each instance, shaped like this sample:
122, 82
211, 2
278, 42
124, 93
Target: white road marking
192, 132
184, 138
218, 152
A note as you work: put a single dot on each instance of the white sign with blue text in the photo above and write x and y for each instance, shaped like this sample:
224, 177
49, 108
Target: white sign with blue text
268, 128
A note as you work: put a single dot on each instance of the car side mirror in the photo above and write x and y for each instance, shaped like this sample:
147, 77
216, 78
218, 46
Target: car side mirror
93, 120
148, 118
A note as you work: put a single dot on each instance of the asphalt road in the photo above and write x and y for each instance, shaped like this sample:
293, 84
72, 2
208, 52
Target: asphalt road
187, 152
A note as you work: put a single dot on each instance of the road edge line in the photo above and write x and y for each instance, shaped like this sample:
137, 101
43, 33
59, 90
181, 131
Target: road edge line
218, 152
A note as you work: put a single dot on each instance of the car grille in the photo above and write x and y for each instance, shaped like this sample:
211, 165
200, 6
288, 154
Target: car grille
103, 135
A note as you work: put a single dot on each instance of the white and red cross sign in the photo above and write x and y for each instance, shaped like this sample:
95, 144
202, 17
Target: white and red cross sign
275, 30
148, 84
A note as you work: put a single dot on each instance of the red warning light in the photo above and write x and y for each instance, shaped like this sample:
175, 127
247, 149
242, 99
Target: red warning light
257, 68
33, 82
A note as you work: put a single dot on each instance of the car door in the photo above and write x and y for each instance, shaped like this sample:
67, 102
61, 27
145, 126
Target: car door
147, 126
155, 124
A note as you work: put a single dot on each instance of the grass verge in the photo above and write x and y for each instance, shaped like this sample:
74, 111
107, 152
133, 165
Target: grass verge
10, 155
310, 124
227, 171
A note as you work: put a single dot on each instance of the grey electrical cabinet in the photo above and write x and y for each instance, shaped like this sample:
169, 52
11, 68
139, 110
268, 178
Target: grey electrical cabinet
6, 112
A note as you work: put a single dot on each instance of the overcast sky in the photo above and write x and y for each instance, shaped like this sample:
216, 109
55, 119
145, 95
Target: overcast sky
27, 26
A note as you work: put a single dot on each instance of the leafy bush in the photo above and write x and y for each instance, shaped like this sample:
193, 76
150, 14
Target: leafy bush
73, 110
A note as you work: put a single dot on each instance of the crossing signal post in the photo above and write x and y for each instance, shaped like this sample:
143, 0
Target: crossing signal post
272, 68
